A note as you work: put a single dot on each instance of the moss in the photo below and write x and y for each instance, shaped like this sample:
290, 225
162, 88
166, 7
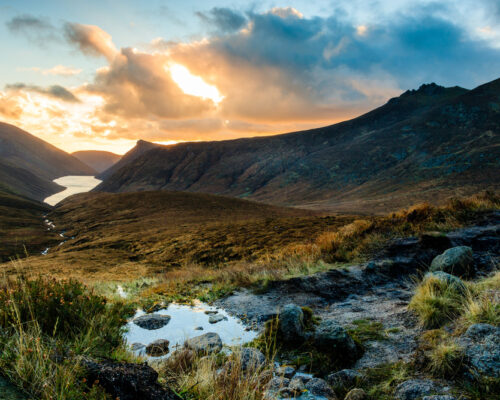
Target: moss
365, 330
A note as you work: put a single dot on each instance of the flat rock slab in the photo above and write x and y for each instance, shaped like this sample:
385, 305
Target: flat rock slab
152, 321
205, 344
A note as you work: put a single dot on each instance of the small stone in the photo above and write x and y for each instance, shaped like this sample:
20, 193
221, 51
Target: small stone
211, 312
456, 261
213, 319
296, 387
439, 397
205, 344
303, 377
356, 394
158, 348
277, 383
198, 328
319, 387
152, 321
415, 389
137, 346
286, 371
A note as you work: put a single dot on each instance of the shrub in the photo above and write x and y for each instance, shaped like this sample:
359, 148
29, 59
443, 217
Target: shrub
437, 302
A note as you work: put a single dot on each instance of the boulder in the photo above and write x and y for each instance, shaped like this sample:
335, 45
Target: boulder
213, 319
127, 381
251, 359
345, 379
296, 387
152, 321
481, 344
205, 344
450, 280
456, 261
333, 339
356, 394
319, 387
291, 324
286, 371
415, 389
158, 348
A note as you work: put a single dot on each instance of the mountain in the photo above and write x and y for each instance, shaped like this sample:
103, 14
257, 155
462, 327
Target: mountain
426, 144
138, 150
98, 160
28, 164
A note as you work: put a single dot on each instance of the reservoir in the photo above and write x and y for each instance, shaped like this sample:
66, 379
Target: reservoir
74, 184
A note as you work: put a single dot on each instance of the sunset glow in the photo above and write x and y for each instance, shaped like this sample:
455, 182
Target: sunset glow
194, 85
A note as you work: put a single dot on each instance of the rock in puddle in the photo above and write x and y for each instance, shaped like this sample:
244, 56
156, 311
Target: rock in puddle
158, 348
205, 344
137, 346
213, 319
152, 321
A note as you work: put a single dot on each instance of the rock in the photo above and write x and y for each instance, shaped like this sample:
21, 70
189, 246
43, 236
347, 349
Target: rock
345, 379
137, 346
277, 383
303, 377
213, 319
415, 389
205, 344
127, 381
251, 359
296, 387
449, 279
198, 328
435, 240
356, 394
291, 324
211, 312
333, 339
157, 348
286, 371
319, 387
439, 397
481, 344
456, 261
152, 321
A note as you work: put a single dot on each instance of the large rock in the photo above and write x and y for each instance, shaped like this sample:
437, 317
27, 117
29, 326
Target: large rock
158, 348
450, 280
456, 261
481, 344
291, 324
333, 339
152, 321
127, 381
345, 379
205, 344
320, 388
415, 389
251, 359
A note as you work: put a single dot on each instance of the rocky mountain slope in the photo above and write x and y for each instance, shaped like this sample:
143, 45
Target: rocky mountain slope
28, 164
424, 145
97, 160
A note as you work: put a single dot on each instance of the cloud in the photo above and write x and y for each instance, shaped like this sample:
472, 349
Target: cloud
58, 70
35, 29
91, 40
55, 91
223, 19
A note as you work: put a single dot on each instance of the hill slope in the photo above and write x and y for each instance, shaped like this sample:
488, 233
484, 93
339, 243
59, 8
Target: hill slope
97, 160
427, 143
28, 164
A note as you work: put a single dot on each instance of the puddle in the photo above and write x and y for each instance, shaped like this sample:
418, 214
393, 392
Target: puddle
184, 321
74, 184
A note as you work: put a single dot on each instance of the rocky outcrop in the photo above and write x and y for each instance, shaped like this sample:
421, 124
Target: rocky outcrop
152, 321
205, 344
481, 344
127, 381
456, 261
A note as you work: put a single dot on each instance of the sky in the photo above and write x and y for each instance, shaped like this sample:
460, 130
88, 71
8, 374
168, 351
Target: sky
104, 74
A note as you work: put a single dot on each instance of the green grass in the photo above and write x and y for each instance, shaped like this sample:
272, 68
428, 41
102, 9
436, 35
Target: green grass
365, 330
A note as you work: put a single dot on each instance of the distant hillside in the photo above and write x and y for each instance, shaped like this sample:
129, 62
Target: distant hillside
133, 234
28, 164
98, 160
426, 144
140, 148
22, 228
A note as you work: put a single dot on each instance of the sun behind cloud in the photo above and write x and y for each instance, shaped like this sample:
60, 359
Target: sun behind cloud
194, 85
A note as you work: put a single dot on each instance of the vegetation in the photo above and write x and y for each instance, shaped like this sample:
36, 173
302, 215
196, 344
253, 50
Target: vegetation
46, 325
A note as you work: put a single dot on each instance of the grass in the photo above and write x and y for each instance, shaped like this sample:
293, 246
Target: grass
45, 325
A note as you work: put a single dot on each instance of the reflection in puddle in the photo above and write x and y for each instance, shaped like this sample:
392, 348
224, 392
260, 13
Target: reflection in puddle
187, 322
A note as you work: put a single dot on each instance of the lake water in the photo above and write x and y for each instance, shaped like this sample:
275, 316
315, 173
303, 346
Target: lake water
183, 323
74, 184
